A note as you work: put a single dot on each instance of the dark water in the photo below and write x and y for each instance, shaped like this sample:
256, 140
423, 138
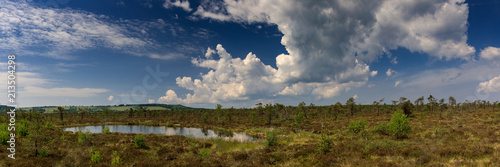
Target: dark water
193, 132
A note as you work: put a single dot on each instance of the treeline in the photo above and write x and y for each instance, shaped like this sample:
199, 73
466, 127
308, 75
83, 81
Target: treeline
295, 117
120, 107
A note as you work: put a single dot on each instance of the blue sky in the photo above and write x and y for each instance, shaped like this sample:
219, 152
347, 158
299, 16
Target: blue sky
239, 53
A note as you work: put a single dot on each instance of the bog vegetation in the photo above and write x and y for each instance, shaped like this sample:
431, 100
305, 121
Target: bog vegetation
426, 132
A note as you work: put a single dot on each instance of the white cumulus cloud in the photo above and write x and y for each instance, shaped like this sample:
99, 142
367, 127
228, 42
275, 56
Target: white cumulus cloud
241, 79
228, 79
490, 53
184, 4
326, 38
390, 72
329, 45
490, 86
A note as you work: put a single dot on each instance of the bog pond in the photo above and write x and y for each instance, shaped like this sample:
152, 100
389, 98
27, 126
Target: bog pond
188, 132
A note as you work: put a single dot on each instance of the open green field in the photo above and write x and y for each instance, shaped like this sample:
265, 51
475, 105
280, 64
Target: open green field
347, 135
119, 108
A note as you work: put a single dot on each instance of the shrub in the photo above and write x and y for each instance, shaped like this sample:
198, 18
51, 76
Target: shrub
382, 129
300, 121
253, 114
407, 107
399, 125
49, 125
204, 117
3, 120
43, 152
204, 152
299, 118
106, 130
139, 141
325, 144
91, 151
22, 128
168, 124
84, 136
4, 134
96, 157
271, 138
357, 126
115, 159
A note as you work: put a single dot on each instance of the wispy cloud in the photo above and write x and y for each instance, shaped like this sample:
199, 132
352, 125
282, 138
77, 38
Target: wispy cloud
59, 33
397, 83
33, 84
32, 91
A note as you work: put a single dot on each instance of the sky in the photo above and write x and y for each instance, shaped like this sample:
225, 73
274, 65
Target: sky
242, 52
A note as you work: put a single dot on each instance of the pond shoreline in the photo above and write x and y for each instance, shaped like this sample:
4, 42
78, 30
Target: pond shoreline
202, 133
257, 133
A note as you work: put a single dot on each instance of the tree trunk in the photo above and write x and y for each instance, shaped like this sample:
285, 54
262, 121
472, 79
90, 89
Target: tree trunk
352, 110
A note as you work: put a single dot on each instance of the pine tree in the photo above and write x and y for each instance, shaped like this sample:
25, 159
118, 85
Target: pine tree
351, 102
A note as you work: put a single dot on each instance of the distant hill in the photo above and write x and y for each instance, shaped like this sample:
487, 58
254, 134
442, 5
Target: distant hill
2, 108
121, 107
